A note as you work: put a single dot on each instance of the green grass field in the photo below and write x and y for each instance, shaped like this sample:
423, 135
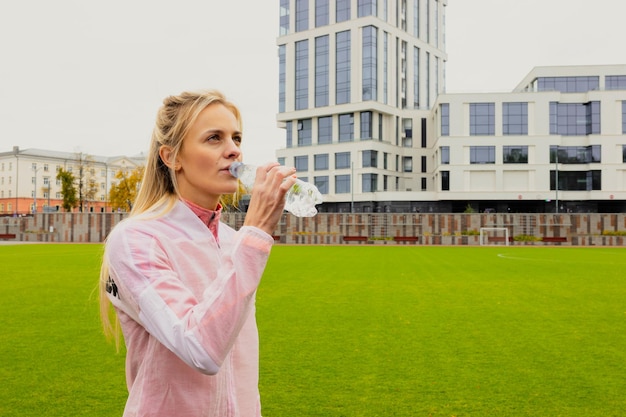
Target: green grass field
353, 331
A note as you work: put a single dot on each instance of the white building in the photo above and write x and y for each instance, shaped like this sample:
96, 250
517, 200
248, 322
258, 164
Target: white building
363, 103
28, 181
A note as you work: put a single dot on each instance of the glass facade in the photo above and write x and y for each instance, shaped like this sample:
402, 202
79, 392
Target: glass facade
416, 77
515, 154
282, 78
482, 119
301, 163
320, 162
324, 130
370, 63
615, 82
577, 180
342, 184
346, 127
302, 75
370, 183
370, 159
284, 17
342, 73
515, 118
445, 180
367, 130
445, 155
305, 133
576, 154
322, 83
624, 116
571, 119
482, 154
321, 182
342, 160
444, 112
342, 10
302, 15
568, 84
367, 8
322, 13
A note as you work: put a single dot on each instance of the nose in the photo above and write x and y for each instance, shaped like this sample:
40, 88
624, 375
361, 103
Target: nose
233, 150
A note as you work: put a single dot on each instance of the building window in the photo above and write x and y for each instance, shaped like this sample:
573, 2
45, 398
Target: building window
342, 184
515, 154
342, 10
615, 82
322, 13
482, 154
342, 72
321, 71
321, 183
416, 77
325, 130
407, 164
370, 159
445, 155
576, 154
445, 180
624, 153
342, 160
515, 118
367, 130
367, 8
284, 17
282, 77
568, 84
424, 184
574, 119
370, 183
624, 116
444, 111
320, 162
289, 134
346, 127
302, 75
482, 119
302, 15
305, 133
370, 63
301, 163
577, 180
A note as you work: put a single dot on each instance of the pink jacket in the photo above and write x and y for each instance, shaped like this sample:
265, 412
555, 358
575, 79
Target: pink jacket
185, 301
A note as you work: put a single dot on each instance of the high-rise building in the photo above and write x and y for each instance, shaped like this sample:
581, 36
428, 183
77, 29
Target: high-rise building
367, 119
357, 82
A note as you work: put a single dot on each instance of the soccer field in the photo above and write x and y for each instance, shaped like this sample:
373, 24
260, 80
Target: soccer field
354, 331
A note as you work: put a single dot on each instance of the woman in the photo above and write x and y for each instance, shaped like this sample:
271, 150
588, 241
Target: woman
183, 284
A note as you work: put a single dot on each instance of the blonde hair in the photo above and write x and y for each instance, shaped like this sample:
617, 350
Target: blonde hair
159, 189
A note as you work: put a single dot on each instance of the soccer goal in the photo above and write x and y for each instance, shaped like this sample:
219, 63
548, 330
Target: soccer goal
490, 236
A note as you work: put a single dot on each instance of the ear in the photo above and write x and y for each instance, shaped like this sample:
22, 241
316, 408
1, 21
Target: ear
165, 153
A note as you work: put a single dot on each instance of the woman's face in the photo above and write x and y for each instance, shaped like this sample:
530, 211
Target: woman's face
211, 145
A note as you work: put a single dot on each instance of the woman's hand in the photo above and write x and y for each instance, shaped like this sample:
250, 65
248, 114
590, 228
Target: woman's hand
268, 196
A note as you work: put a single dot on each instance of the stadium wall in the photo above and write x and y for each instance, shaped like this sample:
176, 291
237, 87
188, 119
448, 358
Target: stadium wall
568, 229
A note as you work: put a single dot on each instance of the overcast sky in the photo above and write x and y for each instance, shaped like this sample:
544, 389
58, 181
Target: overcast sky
88, 76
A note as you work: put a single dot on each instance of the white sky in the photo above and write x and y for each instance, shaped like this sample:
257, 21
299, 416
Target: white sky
89, 75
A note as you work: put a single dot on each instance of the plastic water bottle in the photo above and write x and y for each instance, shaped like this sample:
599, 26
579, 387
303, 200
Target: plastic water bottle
300, 199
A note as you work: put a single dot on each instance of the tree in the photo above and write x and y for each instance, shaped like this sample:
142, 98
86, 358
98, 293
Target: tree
122, 195
67, 189
87, 184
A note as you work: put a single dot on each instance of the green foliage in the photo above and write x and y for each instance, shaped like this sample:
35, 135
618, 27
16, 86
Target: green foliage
68, 190
469, 209
364, 331
614, 233
472, 232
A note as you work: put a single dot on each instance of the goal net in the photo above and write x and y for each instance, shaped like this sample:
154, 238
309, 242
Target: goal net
490, 236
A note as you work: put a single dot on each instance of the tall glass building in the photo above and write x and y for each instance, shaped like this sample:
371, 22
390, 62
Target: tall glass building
357, 81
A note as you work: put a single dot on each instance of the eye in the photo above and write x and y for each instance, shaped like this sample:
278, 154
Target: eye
237, 139
213, 138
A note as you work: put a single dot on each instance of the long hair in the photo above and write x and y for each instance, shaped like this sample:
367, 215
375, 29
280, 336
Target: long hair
159, 190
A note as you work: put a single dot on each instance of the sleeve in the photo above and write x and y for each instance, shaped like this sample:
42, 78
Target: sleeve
199, 330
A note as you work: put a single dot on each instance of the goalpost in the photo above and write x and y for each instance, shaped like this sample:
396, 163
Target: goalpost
494, 236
